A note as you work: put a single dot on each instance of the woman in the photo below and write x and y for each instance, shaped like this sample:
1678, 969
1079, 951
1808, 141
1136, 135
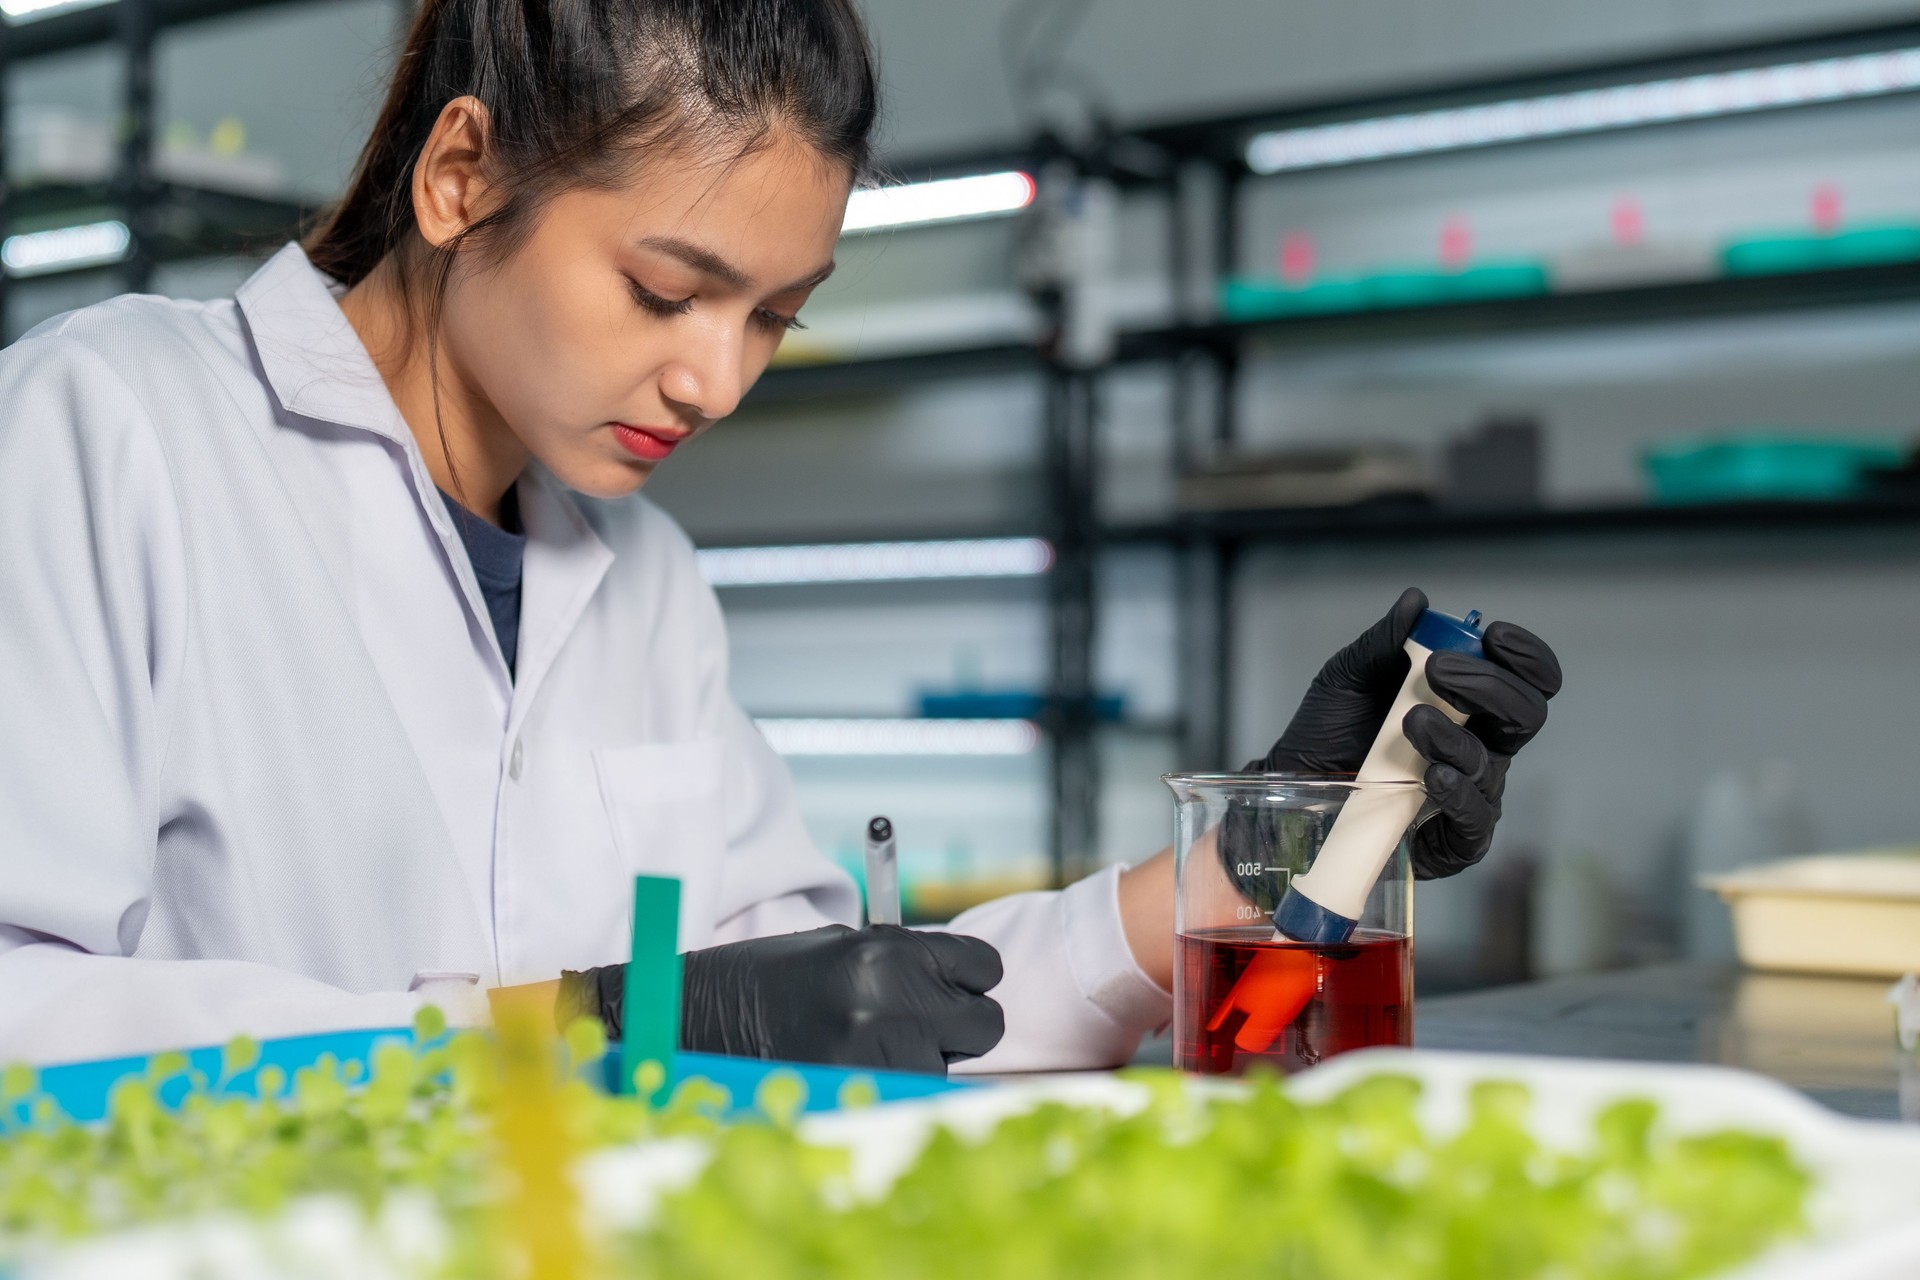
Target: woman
339, 674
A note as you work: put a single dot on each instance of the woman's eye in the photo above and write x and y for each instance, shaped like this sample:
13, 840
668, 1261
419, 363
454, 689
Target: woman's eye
653, 302
764, 317
775, 321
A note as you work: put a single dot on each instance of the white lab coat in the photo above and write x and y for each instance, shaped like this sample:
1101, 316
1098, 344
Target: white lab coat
263, 769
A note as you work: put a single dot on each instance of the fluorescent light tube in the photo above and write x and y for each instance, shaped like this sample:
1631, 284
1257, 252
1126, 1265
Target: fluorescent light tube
93, 244
34, 10
983, 195
877, 562
1699, 97
801, 737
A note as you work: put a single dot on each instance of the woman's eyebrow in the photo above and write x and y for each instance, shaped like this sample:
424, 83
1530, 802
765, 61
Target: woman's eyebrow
710, 263
809, 281
702, 260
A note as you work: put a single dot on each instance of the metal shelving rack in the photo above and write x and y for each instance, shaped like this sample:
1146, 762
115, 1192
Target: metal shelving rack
1203, 354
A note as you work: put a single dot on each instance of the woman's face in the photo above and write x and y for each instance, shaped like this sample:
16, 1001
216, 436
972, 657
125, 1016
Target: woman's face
630, 320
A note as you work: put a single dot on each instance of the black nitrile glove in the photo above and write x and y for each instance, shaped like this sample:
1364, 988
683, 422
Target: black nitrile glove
1505, 698
882, 996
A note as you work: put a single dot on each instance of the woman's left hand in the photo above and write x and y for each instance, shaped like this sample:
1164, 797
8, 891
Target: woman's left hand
1504, 696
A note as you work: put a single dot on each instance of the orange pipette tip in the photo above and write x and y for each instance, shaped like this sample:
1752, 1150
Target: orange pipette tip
1271, 992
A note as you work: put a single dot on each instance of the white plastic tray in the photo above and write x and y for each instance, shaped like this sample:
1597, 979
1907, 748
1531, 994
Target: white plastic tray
1866, 1209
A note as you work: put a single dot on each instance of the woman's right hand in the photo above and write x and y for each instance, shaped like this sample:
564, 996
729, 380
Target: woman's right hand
1504, 696
882, 996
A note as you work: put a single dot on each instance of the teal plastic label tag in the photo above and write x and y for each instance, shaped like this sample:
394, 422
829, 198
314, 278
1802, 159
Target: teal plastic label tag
651, 1012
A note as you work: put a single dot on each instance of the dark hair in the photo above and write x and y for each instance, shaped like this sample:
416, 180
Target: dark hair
576, 91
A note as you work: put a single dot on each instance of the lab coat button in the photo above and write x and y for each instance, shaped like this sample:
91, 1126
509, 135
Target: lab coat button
513, 761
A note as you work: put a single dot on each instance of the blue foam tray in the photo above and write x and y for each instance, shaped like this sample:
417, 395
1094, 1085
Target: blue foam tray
81, 1089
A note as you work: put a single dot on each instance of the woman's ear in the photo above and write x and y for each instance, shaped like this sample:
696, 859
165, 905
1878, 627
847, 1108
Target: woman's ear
449, 185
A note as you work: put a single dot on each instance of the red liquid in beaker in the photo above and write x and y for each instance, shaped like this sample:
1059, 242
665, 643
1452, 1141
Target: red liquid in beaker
1245, 998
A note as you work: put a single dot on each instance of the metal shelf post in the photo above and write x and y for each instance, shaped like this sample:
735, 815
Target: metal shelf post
138, 190
6, 185
1074, 528
1205, 561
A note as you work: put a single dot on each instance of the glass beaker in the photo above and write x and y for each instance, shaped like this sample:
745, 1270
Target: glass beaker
1243, 995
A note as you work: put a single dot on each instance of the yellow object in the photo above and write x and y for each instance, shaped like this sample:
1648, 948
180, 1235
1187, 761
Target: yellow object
541, 1222
229, 137
794, 349
931, 900
1855, 913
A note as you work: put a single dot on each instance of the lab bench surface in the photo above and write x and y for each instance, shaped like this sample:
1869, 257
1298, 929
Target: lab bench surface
1831, 1038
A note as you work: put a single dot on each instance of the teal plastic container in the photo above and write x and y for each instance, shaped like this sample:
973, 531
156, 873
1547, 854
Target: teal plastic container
1499, 280
1398, 288
1430, 286
1244, 298
1789, 253
1765, 468
1250, 298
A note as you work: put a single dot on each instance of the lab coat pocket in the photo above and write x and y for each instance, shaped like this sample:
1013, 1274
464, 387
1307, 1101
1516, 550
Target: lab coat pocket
664, 802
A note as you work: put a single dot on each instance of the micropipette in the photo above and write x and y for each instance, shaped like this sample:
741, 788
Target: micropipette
1325, 902
883, 874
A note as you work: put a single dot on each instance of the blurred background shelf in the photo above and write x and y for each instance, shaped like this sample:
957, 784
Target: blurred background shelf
1661, 304
1222, 139
63, 28
893, 737
188, 222
1393, 522
1413, 523
1637, 304
831, 377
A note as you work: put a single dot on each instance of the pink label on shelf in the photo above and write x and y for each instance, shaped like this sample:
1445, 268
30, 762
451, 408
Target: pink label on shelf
1826, 207
1629, 221
1296, 257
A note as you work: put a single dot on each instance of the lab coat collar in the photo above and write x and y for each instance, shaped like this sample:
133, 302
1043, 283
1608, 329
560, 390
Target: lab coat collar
311, 356
317, 367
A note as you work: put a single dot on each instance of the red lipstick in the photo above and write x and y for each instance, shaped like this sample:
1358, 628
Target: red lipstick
649, 444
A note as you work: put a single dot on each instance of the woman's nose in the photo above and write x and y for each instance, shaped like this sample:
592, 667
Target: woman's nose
709, 379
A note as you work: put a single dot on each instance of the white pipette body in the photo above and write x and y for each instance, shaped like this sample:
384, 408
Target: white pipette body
1324, 903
